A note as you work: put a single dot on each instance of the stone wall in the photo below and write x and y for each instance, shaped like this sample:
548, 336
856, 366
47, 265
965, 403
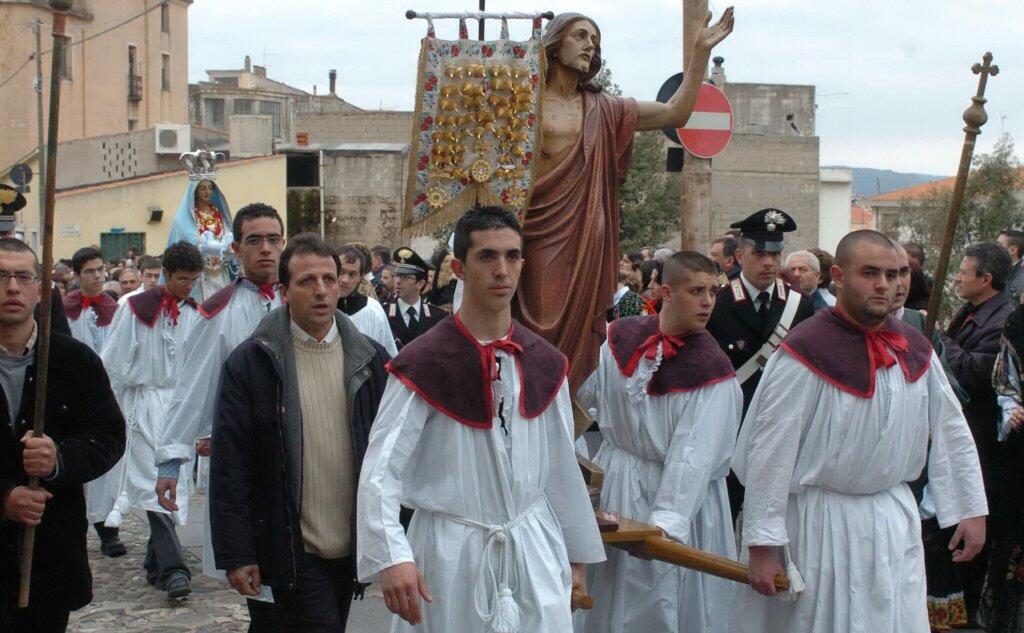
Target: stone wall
363, 199
356, 127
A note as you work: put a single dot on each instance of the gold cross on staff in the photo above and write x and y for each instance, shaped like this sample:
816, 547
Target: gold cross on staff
975, 115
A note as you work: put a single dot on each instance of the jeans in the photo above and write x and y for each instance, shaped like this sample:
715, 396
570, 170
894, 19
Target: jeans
321, 597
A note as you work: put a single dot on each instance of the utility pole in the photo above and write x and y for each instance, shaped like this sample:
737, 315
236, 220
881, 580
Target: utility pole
695, 196
41, 158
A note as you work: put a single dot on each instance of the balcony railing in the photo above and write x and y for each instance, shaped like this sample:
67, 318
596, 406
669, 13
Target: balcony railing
134, 87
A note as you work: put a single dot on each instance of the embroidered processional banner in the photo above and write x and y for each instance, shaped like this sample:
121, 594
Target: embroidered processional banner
476, 128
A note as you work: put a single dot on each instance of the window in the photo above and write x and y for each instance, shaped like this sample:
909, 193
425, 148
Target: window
213, 113
132, 124
165, 17
245, 106
65, 69
273, 108
134, 79
165, 70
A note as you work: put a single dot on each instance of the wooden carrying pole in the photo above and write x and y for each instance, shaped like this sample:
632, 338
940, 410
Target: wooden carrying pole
974, 117
60, 9
646, 541
695, 178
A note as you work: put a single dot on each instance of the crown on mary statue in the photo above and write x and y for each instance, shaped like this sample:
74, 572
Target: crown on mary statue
201, 164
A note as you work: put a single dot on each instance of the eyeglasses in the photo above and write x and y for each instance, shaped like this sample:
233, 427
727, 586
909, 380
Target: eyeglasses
23, 278
254, 241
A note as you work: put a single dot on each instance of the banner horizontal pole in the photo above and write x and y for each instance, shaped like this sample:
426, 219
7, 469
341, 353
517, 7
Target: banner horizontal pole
478, 15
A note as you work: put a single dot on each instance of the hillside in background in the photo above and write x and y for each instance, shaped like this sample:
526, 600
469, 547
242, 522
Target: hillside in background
871, 182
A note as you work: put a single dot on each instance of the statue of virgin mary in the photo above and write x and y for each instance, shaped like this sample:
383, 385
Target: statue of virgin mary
203, 219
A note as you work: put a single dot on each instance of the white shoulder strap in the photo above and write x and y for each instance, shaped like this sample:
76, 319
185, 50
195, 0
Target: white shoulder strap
757, 362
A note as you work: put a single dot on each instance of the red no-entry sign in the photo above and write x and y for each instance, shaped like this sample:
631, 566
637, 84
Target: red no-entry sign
709, 129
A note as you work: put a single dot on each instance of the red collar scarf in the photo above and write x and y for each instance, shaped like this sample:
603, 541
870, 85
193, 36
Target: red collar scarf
649, 349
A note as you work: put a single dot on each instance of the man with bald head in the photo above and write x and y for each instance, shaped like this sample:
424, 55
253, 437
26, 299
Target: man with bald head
832, 437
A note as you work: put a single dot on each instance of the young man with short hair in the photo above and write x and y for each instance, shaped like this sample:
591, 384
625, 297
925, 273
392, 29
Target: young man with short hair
83, 437
149, 274
90, 311
142, 354
292, 420
409, 314
483, 451
668, 405
1013, 241
840, 423
227, 318
366, 312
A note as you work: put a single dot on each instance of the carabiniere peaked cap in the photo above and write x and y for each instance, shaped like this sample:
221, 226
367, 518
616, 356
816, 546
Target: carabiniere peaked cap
765, 229
407, 262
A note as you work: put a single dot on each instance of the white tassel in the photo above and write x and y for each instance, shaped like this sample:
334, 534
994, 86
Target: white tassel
506, 612
120, 507
796, 582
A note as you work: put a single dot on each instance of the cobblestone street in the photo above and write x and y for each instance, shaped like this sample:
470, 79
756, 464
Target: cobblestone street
124, 601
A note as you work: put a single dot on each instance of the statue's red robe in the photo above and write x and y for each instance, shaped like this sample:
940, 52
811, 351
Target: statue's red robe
572, 236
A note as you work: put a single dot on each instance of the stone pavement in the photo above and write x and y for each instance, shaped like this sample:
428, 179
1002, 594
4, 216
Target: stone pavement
123, 600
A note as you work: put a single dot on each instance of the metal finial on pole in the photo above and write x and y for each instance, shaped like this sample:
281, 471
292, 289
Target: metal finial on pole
975, 117
60, 9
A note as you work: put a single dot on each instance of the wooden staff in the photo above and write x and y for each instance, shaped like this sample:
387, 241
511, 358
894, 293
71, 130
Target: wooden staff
646, 541
60, 9
974, 117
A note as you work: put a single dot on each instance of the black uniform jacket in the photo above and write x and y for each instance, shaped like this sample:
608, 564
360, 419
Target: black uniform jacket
429, 316
740, 332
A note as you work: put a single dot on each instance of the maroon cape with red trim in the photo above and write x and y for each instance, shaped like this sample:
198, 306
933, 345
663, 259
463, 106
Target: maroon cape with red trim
838, 351
445, 366
219, 300
698, 363
146, 305
105, 307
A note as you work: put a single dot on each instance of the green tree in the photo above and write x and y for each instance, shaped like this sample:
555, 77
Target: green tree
989, 205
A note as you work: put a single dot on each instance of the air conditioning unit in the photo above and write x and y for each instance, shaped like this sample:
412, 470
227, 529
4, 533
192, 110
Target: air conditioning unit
173, 138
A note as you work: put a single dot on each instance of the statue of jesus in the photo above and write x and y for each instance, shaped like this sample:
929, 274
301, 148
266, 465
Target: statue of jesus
572, 222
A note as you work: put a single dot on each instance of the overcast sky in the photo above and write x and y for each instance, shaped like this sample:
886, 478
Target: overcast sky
892, 77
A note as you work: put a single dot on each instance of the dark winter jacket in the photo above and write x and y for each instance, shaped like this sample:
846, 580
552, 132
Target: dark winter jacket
256, 467
971, 345
85, 422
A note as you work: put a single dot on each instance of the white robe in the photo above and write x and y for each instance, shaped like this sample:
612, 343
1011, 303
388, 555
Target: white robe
84, 329
190, 413
372, 321
665, 459
143, 364
826, 475
455, 476
101, 492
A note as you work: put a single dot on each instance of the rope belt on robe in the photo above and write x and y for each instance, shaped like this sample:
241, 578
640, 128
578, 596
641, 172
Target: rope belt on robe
499, 607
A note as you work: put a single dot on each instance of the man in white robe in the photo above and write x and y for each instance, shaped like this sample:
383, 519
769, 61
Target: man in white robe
142, 356
668, 405
226, 319
839, 424
365, 312
475, 433
90, 312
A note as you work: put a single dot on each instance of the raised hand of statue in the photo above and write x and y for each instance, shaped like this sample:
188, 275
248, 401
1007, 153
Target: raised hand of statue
710, 36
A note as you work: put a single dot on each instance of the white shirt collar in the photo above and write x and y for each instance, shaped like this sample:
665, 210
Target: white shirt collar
898, 315
403, 307
621, 292
302, 335
752, 290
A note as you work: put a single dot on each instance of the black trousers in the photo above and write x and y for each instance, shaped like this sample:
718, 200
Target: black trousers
263, 617
320, 600
37, 618
163, 550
